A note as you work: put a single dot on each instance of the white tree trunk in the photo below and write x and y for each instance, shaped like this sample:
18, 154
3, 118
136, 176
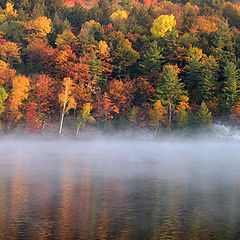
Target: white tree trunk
62, 117
78, 130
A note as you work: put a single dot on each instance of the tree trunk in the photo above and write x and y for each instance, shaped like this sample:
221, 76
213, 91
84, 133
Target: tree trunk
43, 127
61, 121
170, 115
156, 130
169, 120
78, 129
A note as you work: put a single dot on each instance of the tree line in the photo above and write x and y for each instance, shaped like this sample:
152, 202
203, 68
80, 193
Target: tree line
112, 64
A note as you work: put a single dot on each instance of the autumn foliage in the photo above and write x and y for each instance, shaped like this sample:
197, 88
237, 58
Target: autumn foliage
149, 63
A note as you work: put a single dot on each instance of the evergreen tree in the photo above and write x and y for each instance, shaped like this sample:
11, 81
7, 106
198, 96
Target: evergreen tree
170, 86
102, 12
169, 43
231, 13
204, 116
76, 15
209, 81
230, 90
38, 9
58, 27
95, 70
182, 118
193, 78
221, 44
152, 60
52, 6
208, 86
170, 90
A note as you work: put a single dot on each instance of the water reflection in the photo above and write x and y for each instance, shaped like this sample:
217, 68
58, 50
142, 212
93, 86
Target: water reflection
131, 190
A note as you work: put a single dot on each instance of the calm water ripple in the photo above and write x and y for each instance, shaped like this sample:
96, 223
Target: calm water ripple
119, 190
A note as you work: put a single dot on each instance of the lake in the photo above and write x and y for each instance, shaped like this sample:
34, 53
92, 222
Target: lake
108, 189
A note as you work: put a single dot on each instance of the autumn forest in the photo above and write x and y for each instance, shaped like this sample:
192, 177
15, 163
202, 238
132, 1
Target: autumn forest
161, 65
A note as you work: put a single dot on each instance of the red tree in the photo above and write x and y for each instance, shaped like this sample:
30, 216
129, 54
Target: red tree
32, 123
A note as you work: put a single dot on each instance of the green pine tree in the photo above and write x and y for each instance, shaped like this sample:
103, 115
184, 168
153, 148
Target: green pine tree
194, 76
170, 90
209, 81
182, 118
230, 90
95, 70
152, 60
221, 44
204, 116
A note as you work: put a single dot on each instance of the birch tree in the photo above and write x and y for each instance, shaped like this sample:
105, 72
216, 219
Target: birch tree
66, 99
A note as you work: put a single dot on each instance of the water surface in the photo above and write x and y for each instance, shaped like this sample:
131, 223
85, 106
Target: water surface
119, 190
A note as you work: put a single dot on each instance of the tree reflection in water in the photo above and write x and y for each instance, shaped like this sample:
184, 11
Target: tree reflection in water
107, 190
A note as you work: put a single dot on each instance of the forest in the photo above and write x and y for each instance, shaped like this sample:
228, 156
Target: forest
114, 64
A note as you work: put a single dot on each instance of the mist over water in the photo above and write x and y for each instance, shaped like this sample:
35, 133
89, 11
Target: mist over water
119, 189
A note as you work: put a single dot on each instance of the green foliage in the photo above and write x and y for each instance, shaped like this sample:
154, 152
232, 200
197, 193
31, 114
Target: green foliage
124, 56
232, 14
209, 81
84, 117
204, 116
188, 40
13, 31
230, 90
66, 38
221, 44
152, 60
193, 78
102, 12
96, 69
169, 43
170, 88
153, 51
182, 118
76, 15
89, 31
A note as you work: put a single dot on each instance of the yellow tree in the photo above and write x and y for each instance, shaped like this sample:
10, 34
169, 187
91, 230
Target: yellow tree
66, 38
3, 97
181, 112
10, 52
42, 25
66, 99
38, 28
134, 115
103, 48
103, 52
118, 18
88, 31
184, 104
194, 52
157, 115
19, 92
119, 15
8, 12
162, 25
84, 117
6, 74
